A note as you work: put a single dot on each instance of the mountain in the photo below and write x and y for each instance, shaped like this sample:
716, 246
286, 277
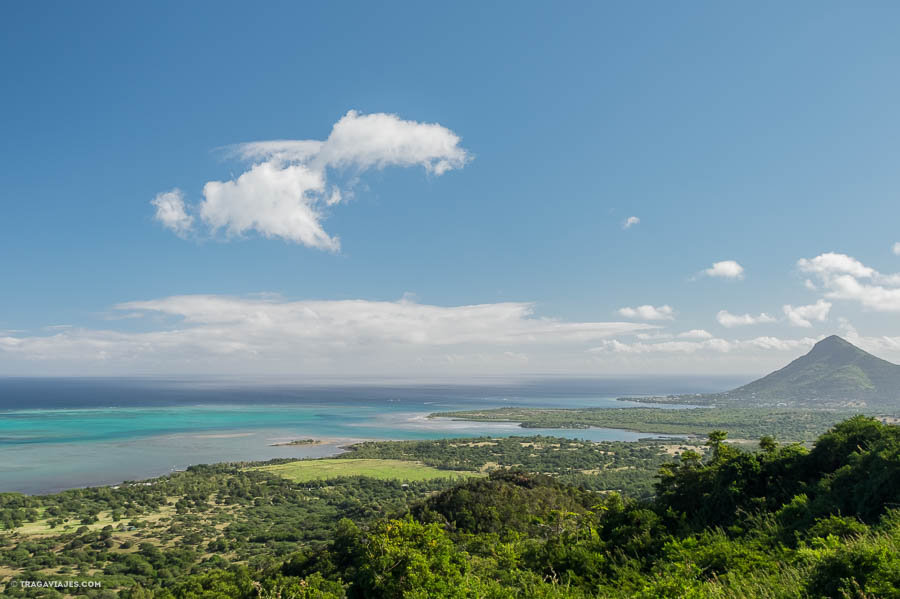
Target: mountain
835, 373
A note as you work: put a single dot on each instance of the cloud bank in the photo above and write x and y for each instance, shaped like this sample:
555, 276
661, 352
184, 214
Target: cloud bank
284, 192
715, 345
222, 334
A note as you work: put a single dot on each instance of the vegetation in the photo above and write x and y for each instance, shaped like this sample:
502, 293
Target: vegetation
626, 467
744, 423
784, 521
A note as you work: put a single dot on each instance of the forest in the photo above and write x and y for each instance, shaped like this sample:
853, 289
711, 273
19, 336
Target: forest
781, 520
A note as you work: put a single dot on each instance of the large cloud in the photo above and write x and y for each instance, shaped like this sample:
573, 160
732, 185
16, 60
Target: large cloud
846, 278
209, 333
286, 188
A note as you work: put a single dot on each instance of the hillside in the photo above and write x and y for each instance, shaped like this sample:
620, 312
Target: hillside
783, 522
835, 373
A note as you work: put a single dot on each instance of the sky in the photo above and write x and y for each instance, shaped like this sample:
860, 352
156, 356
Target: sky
413, 189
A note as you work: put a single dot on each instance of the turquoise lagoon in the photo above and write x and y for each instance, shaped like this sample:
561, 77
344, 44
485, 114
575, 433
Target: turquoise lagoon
63, 433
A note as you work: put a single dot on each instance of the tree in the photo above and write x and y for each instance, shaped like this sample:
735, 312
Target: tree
403, 558
767, 444
691, 459
716, 442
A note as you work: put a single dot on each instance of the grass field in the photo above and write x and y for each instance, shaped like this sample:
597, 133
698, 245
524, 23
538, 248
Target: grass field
304, 470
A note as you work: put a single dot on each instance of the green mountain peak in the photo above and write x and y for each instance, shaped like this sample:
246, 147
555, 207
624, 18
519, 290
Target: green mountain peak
835, 373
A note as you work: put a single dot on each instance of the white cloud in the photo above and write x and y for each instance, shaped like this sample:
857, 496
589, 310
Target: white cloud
727, 319
726, 269
284, 191
695, 334
380, 140
846, 278
830, 263
210, 333
801, 316
630, 222
648, 312
170, 211
274, 200
896, 248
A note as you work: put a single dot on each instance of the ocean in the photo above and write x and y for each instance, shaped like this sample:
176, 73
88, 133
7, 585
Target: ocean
58, 434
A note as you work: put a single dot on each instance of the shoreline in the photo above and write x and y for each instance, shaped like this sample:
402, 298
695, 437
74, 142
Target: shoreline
325, 447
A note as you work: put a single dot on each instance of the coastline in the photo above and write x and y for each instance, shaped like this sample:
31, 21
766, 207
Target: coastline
524, 426
56, 445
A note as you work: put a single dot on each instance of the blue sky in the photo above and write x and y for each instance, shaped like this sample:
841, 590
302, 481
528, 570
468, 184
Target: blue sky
761, 134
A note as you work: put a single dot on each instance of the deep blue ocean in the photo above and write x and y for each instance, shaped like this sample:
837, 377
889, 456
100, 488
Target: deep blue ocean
60, 433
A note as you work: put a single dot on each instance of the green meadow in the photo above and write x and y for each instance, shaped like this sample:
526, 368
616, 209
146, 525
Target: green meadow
306, 470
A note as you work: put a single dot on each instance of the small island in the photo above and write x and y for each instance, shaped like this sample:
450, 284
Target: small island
298, 442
